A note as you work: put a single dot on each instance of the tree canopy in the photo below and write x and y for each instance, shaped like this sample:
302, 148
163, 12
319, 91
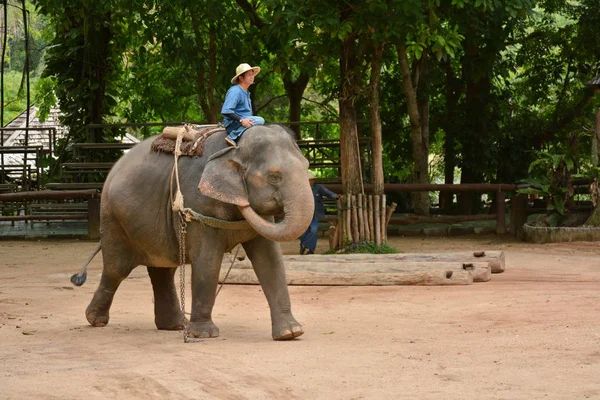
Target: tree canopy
475, 86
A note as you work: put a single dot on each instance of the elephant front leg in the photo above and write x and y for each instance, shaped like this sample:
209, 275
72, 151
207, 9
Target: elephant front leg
267, 261
167, 311
205, 278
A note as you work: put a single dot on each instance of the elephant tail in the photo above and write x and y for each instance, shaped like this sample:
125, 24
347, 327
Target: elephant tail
79, 279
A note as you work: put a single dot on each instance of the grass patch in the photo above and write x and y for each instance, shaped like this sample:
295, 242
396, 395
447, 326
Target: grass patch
365, 247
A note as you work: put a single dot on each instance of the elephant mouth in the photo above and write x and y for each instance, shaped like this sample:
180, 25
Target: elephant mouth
288, 225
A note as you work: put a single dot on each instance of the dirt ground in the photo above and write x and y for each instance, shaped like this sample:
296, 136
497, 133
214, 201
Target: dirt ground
532, 332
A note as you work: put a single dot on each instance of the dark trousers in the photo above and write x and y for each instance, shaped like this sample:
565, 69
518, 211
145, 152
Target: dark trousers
309, 238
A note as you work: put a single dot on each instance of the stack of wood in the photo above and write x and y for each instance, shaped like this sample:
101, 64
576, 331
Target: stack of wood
361, 218
461, 268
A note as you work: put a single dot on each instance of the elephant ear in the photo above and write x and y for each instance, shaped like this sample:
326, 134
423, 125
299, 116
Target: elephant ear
223, 179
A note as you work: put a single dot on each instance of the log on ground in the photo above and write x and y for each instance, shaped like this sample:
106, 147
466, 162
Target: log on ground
481, 271
494, 257
423, 278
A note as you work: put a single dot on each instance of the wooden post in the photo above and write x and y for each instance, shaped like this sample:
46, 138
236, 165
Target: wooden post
348, 218
361, 222
383, 218
371, 221
518, 214
342, 236
332, 237
355, 230
94, 218
377, 220
366, 217
338, 226
500, 213
596, 141
390, 212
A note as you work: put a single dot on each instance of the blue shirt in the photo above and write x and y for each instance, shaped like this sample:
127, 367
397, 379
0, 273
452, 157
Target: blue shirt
237, 101
319, 191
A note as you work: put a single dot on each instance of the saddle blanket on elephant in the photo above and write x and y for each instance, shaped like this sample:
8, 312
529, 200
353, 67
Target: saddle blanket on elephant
192, 144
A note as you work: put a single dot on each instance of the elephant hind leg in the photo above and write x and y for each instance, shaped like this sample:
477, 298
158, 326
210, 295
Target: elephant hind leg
167, 311
97, 312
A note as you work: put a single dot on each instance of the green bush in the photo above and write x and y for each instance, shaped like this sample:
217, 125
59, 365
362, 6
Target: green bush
366, 247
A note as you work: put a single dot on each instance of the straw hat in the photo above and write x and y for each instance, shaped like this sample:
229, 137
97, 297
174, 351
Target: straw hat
311, 176
244, 68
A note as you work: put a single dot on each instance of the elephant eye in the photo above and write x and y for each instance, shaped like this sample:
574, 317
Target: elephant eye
274, 178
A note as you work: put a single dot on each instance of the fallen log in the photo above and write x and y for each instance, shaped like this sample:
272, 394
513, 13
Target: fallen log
494, 257
423, 278
481, 271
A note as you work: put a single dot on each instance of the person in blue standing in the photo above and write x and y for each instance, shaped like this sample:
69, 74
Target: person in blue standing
237, 108
308, 240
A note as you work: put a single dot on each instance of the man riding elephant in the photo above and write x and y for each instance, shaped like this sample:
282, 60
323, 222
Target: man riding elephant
237, 108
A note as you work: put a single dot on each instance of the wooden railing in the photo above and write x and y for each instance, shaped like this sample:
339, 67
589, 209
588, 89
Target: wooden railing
519, 202
48, 211
27, 174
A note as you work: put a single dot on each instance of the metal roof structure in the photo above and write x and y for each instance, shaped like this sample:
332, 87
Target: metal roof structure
594, 82
17, 137
32, 137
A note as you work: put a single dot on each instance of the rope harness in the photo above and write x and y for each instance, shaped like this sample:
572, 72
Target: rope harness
187, 215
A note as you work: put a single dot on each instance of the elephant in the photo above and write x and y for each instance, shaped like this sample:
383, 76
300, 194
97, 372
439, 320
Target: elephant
263, 177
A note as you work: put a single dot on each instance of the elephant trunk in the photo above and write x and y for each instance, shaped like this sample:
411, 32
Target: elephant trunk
297, 217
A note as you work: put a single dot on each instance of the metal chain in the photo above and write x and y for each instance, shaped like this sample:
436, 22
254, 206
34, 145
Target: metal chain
181, 237
182, 233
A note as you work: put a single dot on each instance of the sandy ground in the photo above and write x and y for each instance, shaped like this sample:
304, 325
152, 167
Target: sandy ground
530, 333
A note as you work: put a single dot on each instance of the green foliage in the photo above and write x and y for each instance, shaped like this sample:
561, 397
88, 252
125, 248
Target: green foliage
365, 247
15, 100
83, 64
442, 40
549, 177
505, 78
45, 98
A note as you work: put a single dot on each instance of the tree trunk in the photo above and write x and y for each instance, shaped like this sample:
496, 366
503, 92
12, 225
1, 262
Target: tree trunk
350, 161
376, 140
212, 57
453, 93
596, 141
594, 218
475, 133
96, 53
295, 91
422, 198
205, 80
420, 148
4, 30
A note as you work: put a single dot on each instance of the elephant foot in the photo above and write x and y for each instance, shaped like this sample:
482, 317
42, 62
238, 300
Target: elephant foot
96, 317
286, 328
170, 323
203, 330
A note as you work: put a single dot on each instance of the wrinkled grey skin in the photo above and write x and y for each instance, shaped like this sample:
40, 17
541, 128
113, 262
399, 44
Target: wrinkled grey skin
265, 175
